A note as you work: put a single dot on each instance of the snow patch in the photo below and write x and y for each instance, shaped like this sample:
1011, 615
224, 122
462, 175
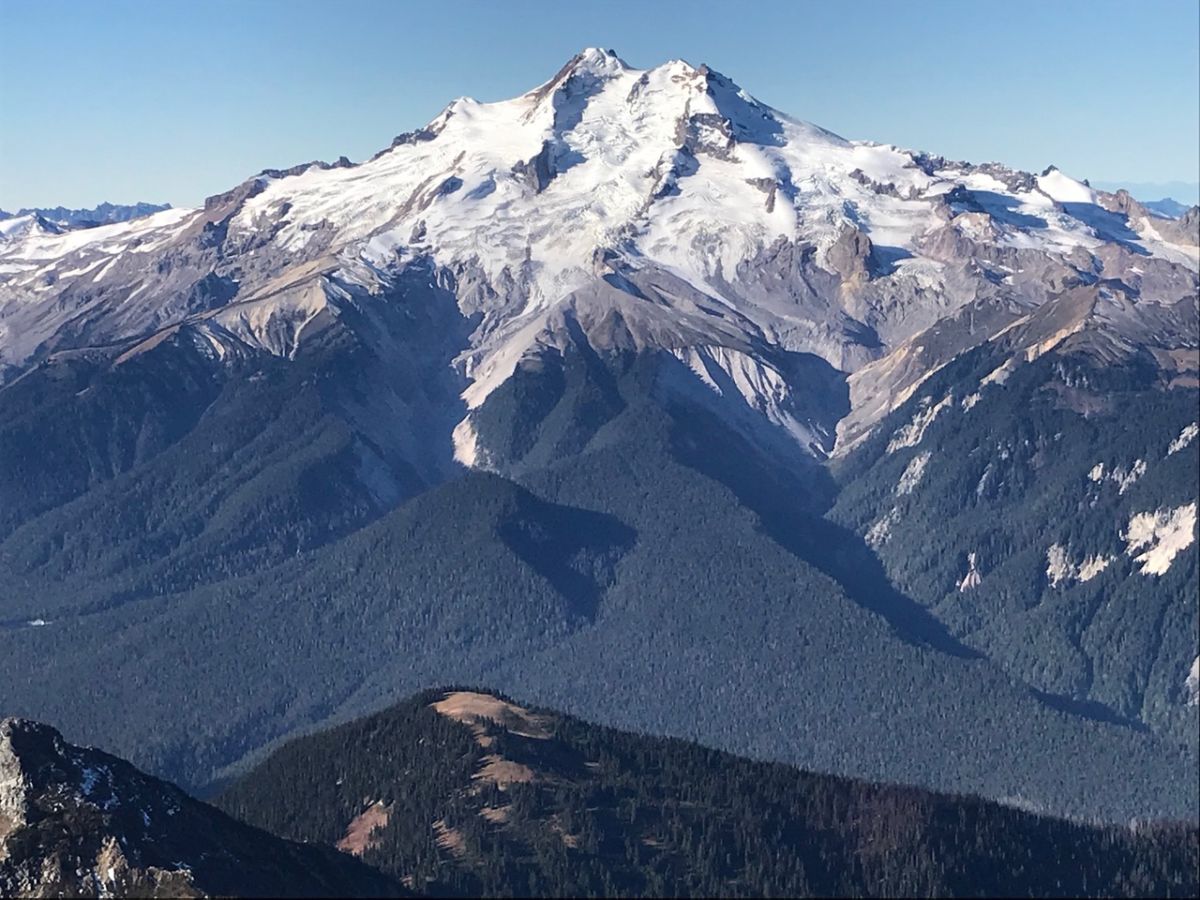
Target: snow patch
1000, 374
1191, 684
1065, 189
1058, 564
1123, 478
1092, 566
973, 578
1061, 569
1165, 533
466, 443
1185, 438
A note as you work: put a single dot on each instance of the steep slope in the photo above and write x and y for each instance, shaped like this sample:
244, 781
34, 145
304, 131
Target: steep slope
469, 793
229, 439
175, 466
77, 822
579, 603
1039, 494
708, 223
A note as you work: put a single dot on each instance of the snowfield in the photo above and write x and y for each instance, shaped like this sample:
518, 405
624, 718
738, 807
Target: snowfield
663, 208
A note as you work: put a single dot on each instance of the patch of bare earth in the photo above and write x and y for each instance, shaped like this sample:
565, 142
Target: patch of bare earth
480, 710
503, 772
357, 839
449, 839
497, 815
569, 840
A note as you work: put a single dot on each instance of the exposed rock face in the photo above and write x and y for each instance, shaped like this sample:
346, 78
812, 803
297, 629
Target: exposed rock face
78, 822
798, 286
781, 232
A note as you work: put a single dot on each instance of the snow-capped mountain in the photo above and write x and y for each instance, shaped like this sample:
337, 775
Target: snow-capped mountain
103, 214
628, 383
662, 208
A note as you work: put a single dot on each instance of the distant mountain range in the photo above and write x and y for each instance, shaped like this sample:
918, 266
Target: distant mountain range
642, 400
1186, 192
104, 214
466, 793
1167, 207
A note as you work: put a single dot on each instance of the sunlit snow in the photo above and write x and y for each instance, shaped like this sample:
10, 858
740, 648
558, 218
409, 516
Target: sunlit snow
1164, 533
1185, 438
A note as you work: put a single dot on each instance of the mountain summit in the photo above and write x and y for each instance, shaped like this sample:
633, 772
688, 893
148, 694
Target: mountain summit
639, 398
662, 208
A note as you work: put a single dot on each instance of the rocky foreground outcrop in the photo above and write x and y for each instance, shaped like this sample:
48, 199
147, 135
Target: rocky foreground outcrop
78, 822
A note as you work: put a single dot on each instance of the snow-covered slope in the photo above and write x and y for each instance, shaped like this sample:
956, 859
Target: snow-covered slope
103, 214
668, 201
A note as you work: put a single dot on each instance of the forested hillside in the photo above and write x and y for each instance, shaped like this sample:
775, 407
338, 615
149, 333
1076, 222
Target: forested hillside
1048, 518
462, 792
663, 579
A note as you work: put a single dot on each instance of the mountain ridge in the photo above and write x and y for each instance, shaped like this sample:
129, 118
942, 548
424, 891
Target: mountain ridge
337, 396
561, 806
77, 821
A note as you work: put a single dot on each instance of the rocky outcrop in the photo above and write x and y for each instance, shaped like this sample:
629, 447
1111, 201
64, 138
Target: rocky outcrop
78, 822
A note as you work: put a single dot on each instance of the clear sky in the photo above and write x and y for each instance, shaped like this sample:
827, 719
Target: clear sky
174, 100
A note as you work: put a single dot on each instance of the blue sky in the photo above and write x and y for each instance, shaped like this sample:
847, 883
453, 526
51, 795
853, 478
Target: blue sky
172, 101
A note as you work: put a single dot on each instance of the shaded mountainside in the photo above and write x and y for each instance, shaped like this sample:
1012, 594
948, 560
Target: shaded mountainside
1044, 509
348, 431
663, 575
463, 792
78, 822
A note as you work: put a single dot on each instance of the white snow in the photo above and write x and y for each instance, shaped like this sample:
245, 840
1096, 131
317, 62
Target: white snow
1065, 189
1191, 684
104, 271
1058, 565
1091, 567
1000, 374
466, 443
1185, 438
43, 245
1125, 479
518, 247
973, 578
1164, 533
19, 227
1061, 569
